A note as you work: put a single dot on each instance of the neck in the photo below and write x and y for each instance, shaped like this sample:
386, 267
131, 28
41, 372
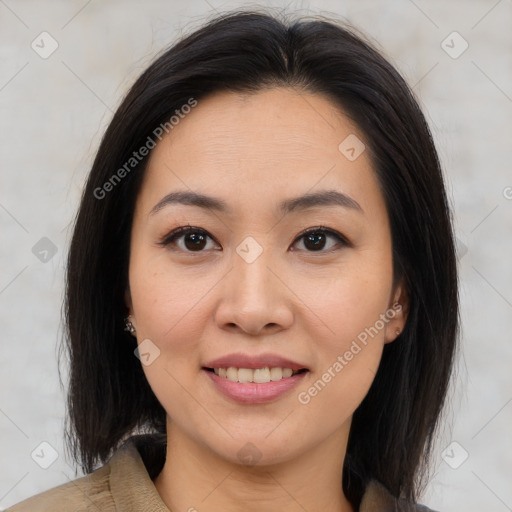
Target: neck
196, 478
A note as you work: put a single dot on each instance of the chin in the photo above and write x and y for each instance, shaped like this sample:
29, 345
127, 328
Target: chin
257, 450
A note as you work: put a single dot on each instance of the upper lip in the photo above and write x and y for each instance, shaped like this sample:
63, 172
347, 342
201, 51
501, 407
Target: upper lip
256, 361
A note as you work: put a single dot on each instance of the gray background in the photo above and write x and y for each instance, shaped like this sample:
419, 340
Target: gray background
54, 110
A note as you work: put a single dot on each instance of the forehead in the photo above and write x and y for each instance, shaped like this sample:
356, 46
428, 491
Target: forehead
275, 123
251, 148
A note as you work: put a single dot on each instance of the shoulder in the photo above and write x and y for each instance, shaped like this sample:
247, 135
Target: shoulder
90, 492
378, 499
124, 483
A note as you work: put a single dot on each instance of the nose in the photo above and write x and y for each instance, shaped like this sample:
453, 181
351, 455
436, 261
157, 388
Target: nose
253, 298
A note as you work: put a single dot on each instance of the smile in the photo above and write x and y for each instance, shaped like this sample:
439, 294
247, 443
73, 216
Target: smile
254, 386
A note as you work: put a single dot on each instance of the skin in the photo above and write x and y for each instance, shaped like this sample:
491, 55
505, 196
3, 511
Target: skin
253, 151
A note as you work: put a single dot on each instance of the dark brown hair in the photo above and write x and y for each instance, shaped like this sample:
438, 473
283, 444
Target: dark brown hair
393, 428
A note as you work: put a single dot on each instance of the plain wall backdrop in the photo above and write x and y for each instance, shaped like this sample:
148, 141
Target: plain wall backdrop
64, 67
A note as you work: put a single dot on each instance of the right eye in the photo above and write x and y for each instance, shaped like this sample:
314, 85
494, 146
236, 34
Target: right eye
194, 239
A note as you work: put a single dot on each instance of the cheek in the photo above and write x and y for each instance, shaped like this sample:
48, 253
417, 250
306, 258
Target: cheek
166, 301
339, 388
349, 342
345, 306
167, 312
348, 330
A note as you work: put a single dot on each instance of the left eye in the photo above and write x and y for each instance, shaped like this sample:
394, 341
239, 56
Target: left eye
195, 239
316, 239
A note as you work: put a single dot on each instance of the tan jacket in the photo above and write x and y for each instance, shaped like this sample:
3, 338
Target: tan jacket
124, 485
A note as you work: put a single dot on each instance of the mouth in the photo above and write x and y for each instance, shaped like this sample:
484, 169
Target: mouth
255, 375
254, 378
251, 386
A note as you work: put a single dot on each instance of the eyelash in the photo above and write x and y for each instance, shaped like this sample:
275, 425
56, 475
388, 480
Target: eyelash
183, 230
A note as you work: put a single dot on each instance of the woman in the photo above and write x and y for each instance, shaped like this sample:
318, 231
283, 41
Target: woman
262, 302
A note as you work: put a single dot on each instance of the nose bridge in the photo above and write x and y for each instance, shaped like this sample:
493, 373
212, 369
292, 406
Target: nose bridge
252, 296
252, 277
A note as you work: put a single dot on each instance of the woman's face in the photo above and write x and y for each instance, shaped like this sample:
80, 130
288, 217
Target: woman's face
248, 288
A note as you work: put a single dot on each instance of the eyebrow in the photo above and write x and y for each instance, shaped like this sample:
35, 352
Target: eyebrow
304, 202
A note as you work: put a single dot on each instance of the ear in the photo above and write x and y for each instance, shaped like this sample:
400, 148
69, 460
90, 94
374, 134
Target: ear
398, 309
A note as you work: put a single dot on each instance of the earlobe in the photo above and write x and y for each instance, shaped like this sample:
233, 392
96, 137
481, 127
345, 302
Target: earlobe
129, 327
397, 314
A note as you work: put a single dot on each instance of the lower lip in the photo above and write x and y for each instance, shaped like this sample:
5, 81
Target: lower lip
252, 392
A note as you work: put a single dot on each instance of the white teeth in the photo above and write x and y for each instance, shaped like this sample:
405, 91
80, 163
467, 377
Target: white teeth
232, 374
276, 373
262, 375
259, 375
245, 375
